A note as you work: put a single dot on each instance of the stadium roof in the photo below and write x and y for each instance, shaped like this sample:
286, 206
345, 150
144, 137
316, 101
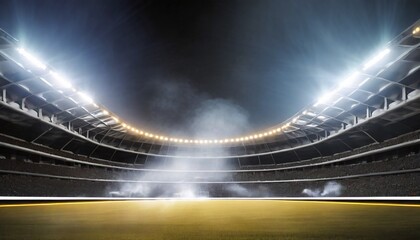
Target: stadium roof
377, 101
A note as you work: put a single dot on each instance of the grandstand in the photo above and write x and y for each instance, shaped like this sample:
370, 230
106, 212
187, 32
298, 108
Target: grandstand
364, 135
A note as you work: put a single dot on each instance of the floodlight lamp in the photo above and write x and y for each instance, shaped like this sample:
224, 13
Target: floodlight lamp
85, 97
376, 59
349, 81
33, 60
116, 119
324, 99
61, 80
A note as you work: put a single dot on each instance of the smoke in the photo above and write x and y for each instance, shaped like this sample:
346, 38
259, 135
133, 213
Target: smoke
205, 118
331, 189
218, 118
160, 191
236, 190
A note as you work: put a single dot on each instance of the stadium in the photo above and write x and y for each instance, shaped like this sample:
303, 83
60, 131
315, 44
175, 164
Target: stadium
361, 139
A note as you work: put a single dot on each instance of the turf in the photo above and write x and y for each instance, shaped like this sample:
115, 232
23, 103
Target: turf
215, 219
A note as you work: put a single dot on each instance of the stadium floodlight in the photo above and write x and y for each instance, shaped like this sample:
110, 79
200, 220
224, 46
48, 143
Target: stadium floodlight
61, 80
325, 99
116, 119
85, 97
349, 81
105, 112
33, 60
376, 59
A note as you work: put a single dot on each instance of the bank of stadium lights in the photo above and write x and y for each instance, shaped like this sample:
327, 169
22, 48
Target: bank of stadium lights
376, 59
416, 30
33, 60
349, 81
59, 80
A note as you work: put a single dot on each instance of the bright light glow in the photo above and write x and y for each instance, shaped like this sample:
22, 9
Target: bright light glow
376, 59
116, 119
85, 97
61, 80
32, 59
349, 81
325, 99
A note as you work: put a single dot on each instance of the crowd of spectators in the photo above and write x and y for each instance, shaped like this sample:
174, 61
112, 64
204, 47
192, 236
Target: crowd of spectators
407, 162
390, 185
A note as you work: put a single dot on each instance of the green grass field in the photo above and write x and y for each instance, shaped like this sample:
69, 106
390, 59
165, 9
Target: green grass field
209, 219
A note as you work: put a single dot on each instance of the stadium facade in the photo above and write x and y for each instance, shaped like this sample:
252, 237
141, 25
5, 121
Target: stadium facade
363, 136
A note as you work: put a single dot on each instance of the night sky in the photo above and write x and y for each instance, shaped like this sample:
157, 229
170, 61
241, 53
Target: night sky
178, 66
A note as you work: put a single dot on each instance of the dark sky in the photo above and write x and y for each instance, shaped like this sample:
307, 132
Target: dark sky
161, 65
